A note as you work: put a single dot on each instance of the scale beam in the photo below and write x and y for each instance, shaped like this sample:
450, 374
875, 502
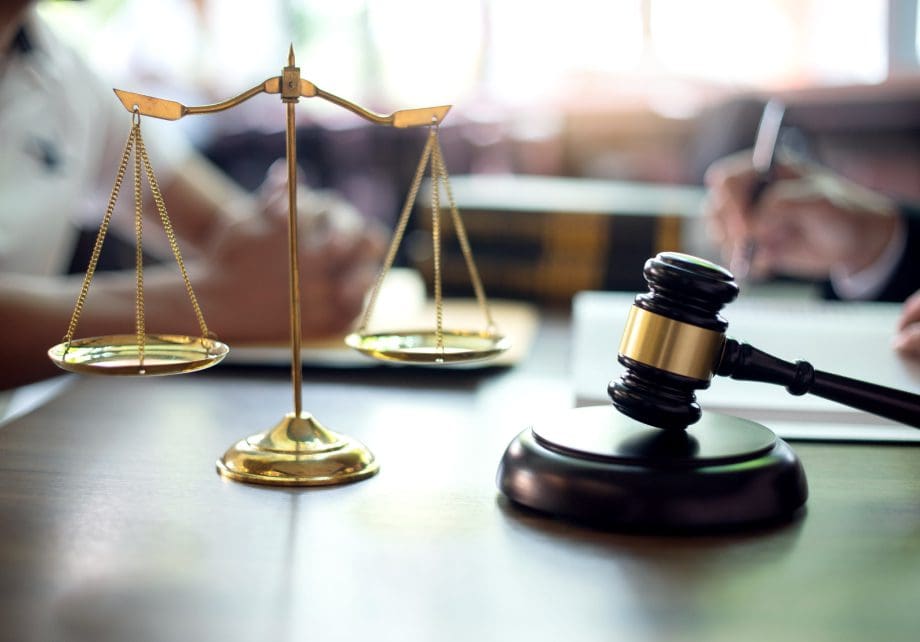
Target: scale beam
172, 110
297, 451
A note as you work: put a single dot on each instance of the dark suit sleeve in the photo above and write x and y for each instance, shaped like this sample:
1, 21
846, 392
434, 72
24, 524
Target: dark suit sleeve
905, 279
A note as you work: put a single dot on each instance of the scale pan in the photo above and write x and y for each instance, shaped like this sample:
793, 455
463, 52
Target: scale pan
421, 346
118, 354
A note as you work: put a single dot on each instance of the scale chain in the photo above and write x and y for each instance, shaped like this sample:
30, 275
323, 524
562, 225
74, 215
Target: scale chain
440, 174
142, 166
170, 234
436, 246
433, 153
398, 233
140, 321
100, 238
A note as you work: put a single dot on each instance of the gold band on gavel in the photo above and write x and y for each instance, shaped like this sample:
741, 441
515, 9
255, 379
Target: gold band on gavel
673, 346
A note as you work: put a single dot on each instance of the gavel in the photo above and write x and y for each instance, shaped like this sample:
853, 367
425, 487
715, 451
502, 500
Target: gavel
675, 342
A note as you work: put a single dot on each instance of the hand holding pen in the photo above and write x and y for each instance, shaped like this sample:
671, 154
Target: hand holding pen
795, 218
763, 160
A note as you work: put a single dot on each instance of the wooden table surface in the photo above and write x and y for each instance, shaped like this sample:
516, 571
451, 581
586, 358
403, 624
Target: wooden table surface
114, 525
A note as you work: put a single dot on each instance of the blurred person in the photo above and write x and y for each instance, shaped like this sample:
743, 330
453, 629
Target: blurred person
812, 223
63, 133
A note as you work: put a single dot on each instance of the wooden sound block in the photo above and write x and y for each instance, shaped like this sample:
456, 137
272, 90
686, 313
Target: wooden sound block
598, 466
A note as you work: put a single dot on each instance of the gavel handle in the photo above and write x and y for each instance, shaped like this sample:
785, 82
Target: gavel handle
747, 363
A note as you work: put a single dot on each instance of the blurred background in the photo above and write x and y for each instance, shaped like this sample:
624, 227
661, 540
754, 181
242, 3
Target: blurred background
580, 130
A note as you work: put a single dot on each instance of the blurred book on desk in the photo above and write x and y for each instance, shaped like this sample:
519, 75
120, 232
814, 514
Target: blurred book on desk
403, 305
845, 338
544, 238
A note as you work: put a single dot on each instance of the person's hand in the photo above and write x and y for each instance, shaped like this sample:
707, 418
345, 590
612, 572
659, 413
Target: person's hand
907, 341
808, 221
245, 287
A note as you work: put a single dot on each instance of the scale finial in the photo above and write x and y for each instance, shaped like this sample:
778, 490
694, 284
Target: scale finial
291, 56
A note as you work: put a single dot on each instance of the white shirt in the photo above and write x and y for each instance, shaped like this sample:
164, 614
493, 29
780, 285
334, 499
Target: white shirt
62, 133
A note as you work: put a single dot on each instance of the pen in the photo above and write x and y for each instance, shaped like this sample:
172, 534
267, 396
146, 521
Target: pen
763, 159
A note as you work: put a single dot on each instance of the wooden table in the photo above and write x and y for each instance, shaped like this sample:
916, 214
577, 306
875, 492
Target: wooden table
115, 526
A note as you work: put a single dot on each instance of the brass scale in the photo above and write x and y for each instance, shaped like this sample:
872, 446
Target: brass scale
299, 450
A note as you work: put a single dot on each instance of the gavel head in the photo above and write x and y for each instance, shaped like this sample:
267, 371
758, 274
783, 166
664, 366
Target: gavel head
673, 340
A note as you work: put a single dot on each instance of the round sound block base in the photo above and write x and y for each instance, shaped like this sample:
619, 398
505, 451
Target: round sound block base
598, 466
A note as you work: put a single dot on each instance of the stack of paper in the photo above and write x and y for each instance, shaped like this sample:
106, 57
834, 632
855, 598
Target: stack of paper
849, 339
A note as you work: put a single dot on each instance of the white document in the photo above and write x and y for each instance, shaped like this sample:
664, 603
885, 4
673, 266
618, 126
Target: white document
849, 339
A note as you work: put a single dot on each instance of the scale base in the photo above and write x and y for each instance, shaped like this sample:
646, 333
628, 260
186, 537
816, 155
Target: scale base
298, 451
597, 466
